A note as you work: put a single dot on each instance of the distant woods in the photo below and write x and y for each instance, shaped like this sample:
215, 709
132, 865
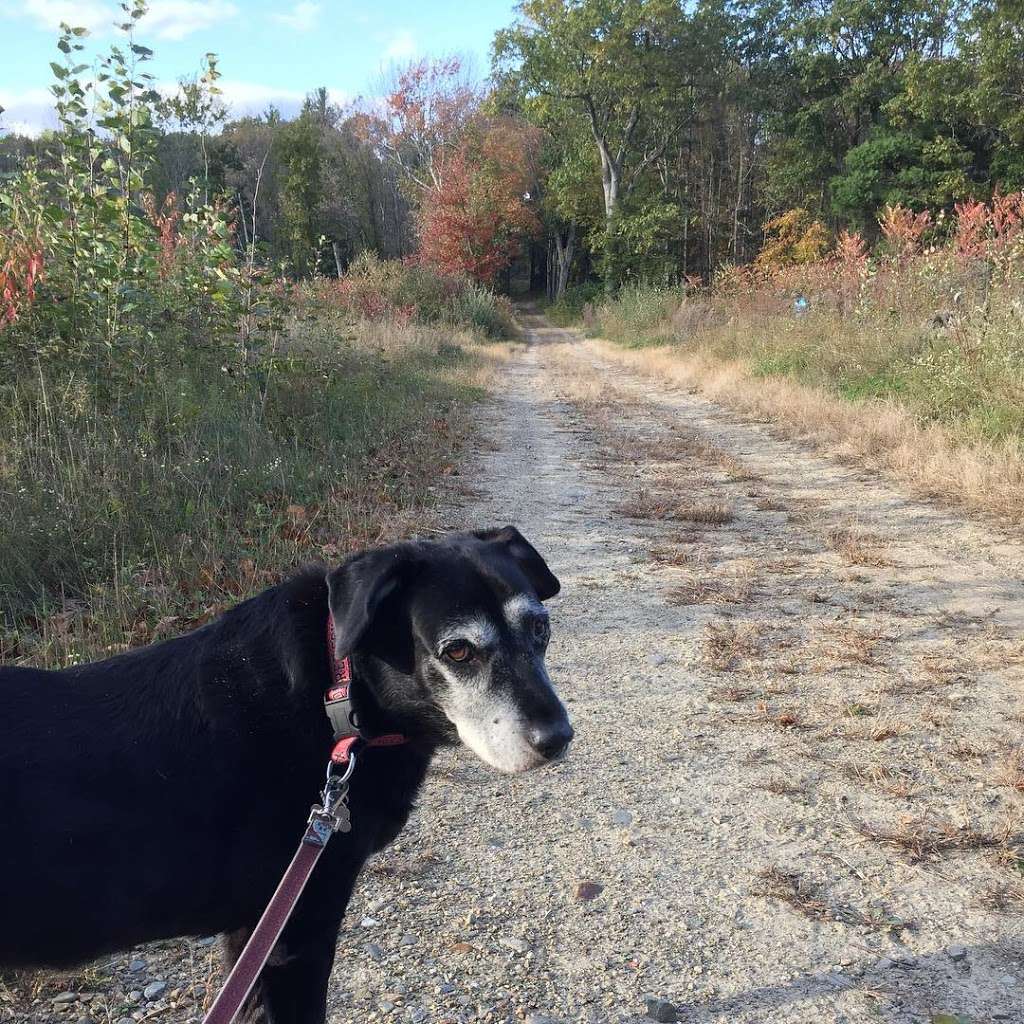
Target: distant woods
620, 141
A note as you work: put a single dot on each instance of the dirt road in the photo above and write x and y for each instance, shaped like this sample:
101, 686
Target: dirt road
795, 792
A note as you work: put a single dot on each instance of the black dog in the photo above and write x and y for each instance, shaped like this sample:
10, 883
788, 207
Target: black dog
162, 792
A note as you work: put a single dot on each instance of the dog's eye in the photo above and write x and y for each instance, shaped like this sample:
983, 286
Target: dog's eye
459, 651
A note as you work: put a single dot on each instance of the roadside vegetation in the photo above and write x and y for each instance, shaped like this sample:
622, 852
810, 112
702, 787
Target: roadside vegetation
909, 358
181, 419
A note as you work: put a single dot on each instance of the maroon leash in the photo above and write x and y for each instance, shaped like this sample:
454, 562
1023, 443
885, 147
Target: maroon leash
325, 818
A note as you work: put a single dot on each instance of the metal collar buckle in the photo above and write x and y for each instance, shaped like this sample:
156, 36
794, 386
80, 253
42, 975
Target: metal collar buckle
331, 814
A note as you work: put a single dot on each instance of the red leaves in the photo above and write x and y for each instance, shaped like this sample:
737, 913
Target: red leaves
165, 220
20, 272
903, 229
471, 222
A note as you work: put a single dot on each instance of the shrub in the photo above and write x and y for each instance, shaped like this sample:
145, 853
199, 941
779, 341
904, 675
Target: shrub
383, 291
569, 308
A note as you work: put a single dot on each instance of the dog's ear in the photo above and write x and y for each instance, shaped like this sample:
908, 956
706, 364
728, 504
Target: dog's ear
536, 570
358, 588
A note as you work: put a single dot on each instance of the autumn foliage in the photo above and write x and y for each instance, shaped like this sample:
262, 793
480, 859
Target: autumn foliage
472, 222
20, 270
469, 175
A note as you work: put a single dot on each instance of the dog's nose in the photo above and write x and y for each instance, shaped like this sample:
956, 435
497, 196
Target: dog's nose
551, 740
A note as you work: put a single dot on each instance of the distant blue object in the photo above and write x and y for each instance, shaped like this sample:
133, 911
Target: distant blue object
800, 304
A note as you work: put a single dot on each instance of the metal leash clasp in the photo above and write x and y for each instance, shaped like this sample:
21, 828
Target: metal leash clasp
331, 814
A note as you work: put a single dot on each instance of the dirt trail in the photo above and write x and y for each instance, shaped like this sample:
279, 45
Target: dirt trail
794, 789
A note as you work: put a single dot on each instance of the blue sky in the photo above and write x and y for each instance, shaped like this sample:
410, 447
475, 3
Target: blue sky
270, 52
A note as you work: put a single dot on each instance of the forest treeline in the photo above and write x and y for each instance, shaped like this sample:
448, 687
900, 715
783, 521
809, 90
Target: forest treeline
620, 140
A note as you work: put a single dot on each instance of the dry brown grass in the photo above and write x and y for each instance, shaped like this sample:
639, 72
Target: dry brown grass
647, 504
985, 476
732, 694
706, 514
856, 547
781, 717
726, 644
928, 838
794, 890
669, 554
1007, 897
885, 727
888, 777
781, 786
1011, 772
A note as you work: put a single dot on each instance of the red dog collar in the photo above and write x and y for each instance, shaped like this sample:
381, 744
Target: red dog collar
338, 706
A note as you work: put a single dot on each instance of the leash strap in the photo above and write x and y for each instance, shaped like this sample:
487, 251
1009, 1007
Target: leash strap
329, 816
248, 966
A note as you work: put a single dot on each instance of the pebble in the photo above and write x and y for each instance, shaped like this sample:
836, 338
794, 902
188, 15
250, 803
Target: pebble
660, 1010
408, 939
86, 1020
957, 952
656, 659
539, 1018
622, 817
154, 990
208, 941
137, 965
374, 952
517, 945
589, 890
66, 997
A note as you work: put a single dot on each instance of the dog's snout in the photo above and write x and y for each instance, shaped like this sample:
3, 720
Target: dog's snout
551, 740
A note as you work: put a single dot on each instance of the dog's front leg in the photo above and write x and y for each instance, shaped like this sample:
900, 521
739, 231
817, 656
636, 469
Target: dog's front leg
294, 982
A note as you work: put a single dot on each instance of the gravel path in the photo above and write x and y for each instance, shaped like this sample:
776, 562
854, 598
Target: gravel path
748, 696
795, 793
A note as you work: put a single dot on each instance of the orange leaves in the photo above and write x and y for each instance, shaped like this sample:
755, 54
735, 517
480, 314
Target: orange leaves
993, 229
21, 270
903, 229
472, 221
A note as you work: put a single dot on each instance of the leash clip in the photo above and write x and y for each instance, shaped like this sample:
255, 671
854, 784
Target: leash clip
331, 814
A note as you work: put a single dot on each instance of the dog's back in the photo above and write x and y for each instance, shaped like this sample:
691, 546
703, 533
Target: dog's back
111, 776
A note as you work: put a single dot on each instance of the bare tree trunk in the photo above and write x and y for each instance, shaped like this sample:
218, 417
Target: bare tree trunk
336, 249
565, 251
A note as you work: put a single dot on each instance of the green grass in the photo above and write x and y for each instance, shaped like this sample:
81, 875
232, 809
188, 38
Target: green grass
968, 376
130, 511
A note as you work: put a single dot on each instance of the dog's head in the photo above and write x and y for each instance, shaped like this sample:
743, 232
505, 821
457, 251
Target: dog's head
452, 634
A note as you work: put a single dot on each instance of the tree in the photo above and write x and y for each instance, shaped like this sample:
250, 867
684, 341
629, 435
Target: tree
473, 220
421, 122
619, 63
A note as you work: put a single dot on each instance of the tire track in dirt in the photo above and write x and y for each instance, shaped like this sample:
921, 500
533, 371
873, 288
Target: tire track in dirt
797, 695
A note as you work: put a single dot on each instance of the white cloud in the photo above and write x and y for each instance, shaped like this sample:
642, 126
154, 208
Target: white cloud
28, 112
48, 14
245, 98
402, 47
176, 19
166, 19
303, 17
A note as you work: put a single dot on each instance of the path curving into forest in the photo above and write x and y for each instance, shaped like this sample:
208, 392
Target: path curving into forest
797, 694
